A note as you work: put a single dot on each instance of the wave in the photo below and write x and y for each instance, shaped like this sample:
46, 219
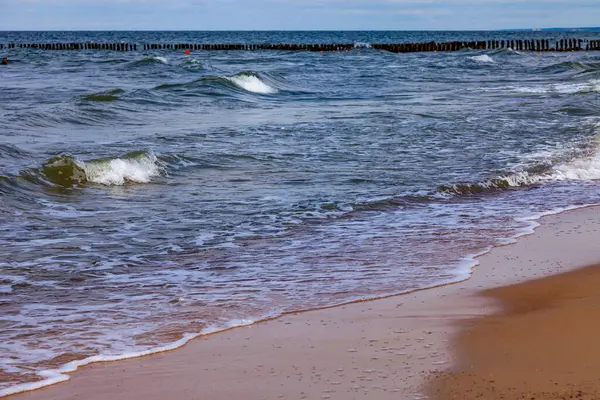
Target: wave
112, 61
81, 113
244, 81
150, 60
577, 164
483, 58
11, 151
502, 182
590, 86
65, 170
108, 95
578, 66
54, 376
583, 169
251, 83
193, 65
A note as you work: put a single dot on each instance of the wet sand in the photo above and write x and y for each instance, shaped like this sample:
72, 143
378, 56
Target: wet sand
542, 345
382, 349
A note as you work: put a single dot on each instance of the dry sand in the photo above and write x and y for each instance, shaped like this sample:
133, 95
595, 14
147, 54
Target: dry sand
377, 350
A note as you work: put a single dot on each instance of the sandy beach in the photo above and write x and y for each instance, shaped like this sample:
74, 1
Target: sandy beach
388, 348
541, 346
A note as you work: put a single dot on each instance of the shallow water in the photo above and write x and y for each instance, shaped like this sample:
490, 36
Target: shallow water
149, 196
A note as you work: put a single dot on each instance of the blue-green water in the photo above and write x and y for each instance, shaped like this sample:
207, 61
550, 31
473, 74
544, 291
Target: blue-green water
149, 196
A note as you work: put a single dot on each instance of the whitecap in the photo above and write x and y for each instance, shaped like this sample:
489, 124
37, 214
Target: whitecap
483, 58
591, 86
118, 171
161, 59
251, 83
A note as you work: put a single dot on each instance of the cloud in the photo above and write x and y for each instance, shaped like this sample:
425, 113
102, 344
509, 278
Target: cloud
295, 14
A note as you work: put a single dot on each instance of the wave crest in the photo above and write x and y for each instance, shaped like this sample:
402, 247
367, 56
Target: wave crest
107, 95
583, 169
590, 86
579, 66
251, 83
65, 170
138, 167
493, 184
242, 82
483, 58
150, 60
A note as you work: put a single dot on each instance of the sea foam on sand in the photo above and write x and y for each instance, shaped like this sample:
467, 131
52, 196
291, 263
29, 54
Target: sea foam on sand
382, 348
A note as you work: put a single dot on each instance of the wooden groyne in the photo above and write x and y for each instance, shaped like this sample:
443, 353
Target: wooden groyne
537, 45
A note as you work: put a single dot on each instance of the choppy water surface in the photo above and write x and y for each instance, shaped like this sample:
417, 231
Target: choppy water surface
149, 196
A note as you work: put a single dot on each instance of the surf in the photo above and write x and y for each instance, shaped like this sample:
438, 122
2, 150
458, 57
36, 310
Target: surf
67, 170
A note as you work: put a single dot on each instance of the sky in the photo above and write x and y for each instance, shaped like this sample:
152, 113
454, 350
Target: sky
296, 14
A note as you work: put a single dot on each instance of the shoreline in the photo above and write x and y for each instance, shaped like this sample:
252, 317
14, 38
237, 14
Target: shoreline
419, 310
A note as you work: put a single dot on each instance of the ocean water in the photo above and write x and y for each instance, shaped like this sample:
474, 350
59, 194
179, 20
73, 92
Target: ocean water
149, 197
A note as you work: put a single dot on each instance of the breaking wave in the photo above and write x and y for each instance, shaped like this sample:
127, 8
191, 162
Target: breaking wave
66, 170
484, 58
244, 81
590, 86
583, 169
251, 83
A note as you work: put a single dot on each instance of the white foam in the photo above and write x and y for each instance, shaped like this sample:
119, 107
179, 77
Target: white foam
161, 59
587, 169
203, 238
582, 169
193, 64
484, 58
470, 262
563, 88
252, 83
118, 171
54, 376
463, 272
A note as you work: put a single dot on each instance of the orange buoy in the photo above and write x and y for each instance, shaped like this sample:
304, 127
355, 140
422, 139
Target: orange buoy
187, 52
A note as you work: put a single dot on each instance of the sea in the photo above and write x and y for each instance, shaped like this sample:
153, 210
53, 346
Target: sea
150, 197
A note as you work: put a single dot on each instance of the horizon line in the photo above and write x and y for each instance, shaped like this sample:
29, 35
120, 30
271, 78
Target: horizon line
592, 28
